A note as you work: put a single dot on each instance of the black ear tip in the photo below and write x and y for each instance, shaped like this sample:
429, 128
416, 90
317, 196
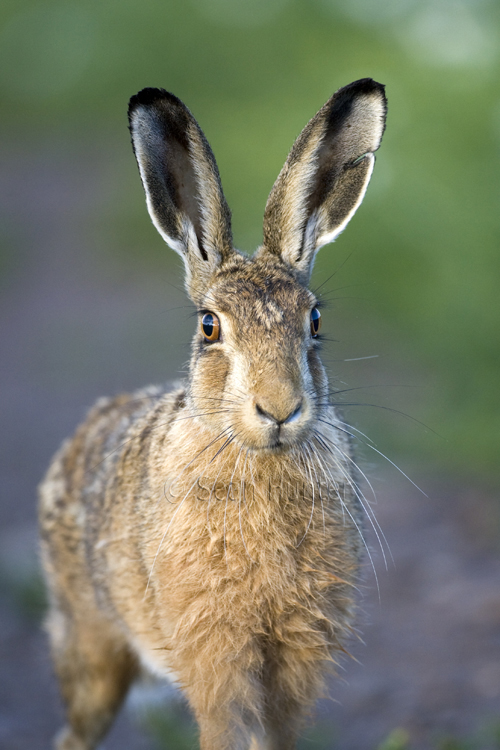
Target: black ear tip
150, 96
364, 86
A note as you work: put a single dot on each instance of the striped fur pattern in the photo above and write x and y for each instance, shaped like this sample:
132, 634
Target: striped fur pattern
212, 534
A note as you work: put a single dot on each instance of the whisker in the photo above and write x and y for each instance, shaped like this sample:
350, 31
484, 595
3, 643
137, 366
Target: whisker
358, 359
356, 525
365, 505
203, 414
217, 398
227, 497
210, 499
387, 408
240, 397
369, 445
335, 392
219, 436
398, 469
228, 441
350, 426
312, 510
242, 494
166, 532
310, 449
336, 427
339, 268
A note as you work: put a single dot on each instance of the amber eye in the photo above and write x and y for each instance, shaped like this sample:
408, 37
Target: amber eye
315, 322
210, 327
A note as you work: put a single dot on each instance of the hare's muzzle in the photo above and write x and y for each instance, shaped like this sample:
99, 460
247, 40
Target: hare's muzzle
277, 418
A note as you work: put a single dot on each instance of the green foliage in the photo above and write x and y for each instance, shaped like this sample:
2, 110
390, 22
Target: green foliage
171, 728
487, 738
320, 736
398, 739
25, 592
452, 743
425, 243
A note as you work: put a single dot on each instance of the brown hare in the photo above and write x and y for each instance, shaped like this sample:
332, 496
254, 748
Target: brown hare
213, 534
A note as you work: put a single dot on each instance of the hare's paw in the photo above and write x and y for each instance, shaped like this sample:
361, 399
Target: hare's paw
67, 740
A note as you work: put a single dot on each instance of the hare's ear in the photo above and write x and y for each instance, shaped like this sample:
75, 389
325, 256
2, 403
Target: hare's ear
182, 184
325, 176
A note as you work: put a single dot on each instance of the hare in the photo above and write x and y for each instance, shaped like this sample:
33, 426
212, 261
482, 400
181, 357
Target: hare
213, 534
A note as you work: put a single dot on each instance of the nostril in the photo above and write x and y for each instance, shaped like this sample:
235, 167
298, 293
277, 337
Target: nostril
265, 414
292, 416
295, 414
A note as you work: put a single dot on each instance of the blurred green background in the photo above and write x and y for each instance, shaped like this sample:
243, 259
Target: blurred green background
418, 267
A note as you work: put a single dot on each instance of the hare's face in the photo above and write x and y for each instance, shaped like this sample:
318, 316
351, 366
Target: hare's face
260, 378
255, 372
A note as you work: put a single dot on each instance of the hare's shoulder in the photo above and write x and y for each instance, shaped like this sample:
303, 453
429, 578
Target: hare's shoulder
114, 420
87, 460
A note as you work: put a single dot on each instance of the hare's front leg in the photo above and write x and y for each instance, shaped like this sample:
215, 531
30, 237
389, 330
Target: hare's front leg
292, 681
238, 708
217, 733
95, 669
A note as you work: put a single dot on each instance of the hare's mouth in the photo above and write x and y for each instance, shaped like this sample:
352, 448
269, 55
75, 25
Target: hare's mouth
277, 444
274, 428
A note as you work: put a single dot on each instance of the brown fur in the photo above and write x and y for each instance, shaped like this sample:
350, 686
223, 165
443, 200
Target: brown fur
213, 533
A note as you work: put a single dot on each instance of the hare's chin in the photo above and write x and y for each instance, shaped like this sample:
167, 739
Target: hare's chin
279, 448
275, 445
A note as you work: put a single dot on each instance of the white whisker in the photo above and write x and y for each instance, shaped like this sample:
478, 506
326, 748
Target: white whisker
359, 530
242, 494
312, 509
310, 450
227, 497
364, 502
166, 532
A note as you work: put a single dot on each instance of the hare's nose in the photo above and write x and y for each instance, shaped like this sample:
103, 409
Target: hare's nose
269, 417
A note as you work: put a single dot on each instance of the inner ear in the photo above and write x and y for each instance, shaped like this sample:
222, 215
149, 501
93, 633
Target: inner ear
185, 187
327, 172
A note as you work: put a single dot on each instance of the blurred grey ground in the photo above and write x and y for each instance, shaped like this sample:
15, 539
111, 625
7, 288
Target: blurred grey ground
75, 324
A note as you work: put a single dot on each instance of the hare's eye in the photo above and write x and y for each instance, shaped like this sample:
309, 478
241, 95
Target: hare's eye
210, 327
315, 322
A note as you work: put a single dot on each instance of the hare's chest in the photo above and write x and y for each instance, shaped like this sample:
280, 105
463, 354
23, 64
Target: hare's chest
230, 576
229, 554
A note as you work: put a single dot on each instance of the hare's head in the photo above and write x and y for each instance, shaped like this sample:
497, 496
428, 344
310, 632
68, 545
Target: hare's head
255, 369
